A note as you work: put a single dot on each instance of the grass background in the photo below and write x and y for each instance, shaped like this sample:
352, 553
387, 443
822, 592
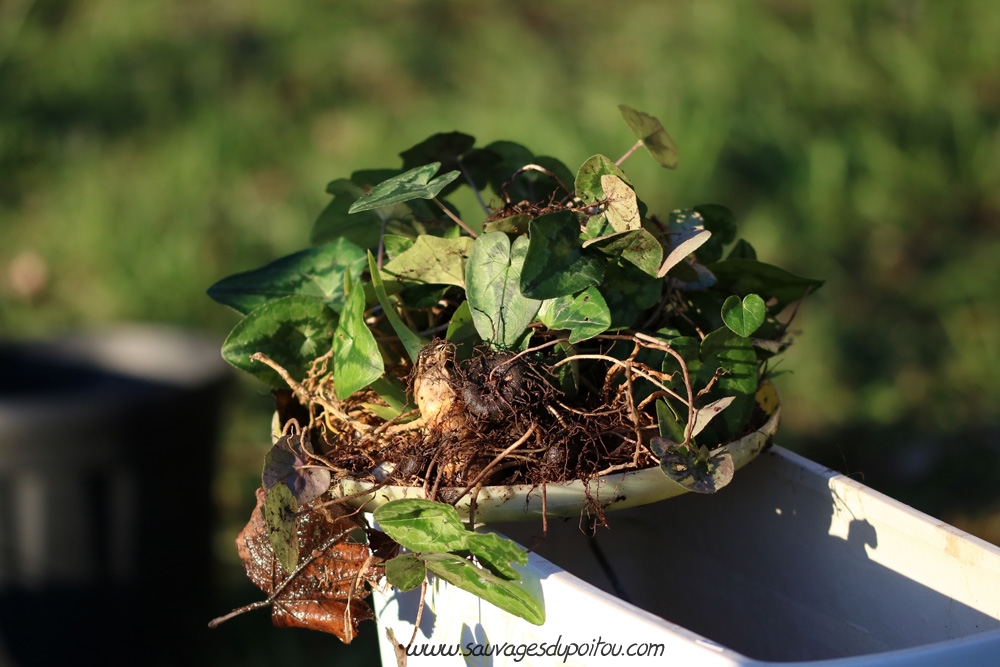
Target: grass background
148, 149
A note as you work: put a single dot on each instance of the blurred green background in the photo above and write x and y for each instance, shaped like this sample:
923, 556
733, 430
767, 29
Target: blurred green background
148, 149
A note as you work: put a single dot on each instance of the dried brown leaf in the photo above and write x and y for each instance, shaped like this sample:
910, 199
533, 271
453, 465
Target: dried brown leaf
325, 591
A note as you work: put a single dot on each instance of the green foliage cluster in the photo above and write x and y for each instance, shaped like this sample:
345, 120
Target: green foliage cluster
579, 260
439, 543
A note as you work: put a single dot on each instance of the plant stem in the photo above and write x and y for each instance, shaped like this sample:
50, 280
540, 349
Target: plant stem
628, 153
472, 184
457, 220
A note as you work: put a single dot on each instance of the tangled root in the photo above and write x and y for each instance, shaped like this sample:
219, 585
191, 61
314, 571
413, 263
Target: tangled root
497, 419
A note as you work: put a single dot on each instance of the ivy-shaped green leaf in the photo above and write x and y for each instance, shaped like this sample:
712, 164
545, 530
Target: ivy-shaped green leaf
507, 595
292, 331
405, 572
427, 526
622, 208
748, 276
650, 131
413, 184
315, 272
430, 260
435, 532
357, 361
454, 151
423, 525
637, 246
588, 178
500, 311
557, 264
497, 553
744, 317
735, 355
585, 315
364, 228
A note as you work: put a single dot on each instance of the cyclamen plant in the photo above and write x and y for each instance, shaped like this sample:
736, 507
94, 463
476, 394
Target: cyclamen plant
563, 335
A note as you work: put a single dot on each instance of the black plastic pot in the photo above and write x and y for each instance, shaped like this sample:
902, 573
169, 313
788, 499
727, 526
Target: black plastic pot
106, 460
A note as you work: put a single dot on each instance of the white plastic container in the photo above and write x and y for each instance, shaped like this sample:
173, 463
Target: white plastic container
792, 563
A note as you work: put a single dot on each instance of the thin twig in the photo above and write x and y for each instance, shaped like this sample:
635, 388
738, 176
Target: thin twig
539, 168
300, 392
584, 413
305, 396
622, 364
508, 362
260, 604
420, 613
472, 506
316, 553
630, 400
660, 345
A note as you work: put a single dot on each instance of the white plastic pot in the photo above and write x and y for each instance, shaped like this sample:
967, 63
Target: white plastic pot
791, 563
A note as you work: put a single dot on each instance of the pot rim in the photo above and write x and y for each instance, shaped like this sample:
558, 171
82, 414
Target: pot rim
522, 502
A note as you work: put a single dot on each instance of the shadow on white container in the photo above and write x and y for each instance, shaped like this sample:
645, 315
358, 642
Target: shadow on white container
791, 564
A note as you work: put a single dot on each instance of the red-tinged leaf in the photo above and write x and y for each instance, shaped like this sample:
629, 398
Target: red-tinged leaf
321, 593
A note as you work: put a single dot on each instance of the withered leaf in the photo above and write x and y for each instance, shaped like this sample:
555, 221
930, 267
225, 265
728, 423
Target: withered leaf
692, 467
321, 593
285, 462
